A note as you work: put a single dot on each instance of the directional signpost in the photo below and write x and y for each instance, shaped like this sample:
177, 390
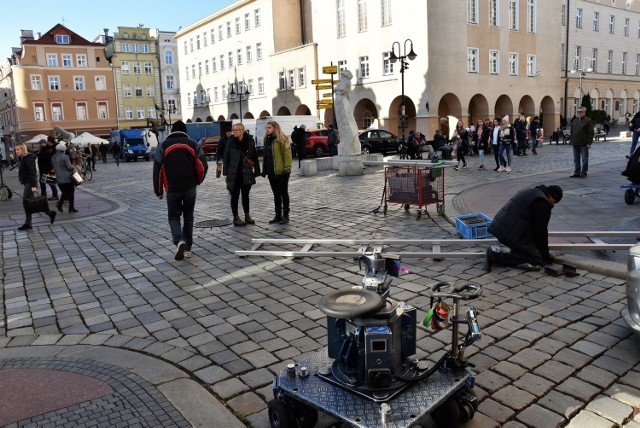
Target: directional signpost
325, 85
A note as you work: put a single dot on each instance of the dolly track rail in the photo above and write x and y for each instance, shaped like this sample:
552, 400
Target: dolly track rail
307, 245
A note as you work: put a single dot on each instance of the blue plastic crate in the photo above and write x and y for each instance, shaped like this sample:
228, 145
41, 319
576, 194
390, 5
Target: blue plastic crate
473, 226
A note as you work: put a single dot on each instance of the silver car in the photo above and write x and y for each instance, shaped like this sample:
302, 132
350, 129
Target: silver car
631, 314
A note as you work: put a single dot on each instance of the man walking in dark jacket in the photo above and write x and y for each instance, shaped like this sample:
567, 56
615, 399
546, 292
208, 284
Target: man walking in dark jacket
521, 224
180, 165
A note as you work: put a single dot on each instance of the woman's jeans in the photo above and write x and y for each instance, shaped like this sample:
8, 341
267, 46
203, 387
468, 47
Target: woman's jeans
505, 148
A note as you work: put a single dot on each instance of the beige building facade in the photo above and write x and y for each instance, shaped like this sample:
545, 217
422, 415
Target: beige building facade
167, 53
56, 79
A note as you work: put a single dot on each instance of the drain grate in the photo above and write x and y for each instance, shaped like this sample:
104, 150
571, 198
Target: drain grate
216, 222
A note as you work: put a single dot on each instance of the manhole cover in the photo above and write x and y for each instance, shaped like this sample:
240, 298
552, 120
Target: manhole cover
216, 222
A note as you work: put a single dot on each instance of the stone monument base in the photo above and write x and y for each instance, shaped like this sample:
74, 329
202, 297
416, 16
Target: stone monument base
350, 165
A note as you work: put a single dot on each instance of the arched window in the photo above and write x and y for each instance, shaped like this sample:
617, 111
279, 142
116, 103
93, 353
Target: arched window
367, 119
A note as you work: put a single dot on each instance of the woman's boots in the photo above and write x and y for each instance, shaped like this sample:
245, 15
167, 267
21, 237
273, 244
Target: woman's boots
237, 221
285, 217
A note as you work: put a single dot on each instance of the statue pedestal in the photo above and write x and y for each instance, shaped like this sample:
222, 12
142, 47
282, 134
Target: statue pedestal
350, 165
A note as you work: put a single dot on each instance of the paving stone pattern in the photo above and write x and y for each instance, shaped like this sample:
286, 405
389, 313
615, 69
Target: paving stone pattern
554, 351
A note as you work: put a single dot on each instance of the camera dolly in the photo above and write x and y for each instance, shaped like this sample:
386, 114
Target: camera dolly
369, 374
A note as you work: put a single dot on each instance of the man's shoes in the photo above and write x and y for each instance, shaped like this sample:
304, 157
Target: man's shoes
574, 176
464, 166
52, 198
25, 227
187, 254
455, 167
583, 176
237, 221
275, 220
529, 267
73, 210
481, 166
180, 249
248, 219
59, 207
488, 260
285, 220
52, 216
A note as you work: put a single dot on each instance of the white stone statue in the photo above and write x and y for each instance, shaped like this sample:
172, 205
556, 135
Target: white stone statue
349, 142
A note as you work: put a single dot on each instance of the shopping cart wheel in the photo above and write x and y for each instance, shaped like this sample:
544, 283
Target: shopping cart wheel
384, 210
629, 196
406, 207
440, 208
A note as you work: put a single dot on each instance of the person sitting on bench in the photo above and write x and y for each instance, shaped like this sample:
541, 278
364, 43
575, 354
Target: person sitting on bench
521, 224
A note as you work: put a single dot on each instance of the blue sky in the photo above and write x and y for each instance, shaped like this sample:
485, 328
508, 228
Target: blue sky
88, 18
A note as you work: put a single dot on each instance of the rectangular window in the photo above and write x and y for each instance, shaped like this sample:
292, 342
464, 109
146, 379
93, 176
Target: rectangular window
250, 86
185, 47
186, 72
169, 82
54, 83
145, 48
239, 56
387, 65
624, 63
191, 44
238, 28
594, 60
124, 67
247, 22
128, 112
256, 15
221, 62
213, 36
494, 62
200, 69
193, 71
610, 62
249, 56
136, 48
386, 12
81, 60
126, 47
206, 66
494, 19
140, 112
220, 32
81, 111
472, 11
138, 89
148, 68
364, 67
340, 18
216, 95
292, 79
259, 51
36, 82
126, 88
596, 21
261, 85
626, 27
637, 64
224, 92
103, 111
228, 29
514, 15
513, 63
56, 112
62, 39
472, 60
579, 18
562, 51
230, 54
531, 16
531, 65
198, 42
282, 83
137, 68
302, 78
150, 91
38, 112
67, 61
214, 64
101, 83
342, 65
362, 16
564, 15
612, 24
52, 60
151, 112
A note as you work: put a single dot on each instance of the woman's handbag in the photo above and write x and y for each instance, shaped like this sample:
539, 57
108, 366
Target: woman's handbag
36, 204
76, 178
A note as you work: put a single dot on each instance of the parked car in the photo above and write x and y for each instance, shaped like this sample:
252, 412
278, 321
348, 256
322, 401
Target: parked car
315, 142
378, 141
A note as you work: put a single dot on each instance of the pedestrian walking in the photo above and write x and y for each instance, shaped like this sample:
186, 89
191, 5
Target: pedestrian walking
581, 140
522, 225
481, 140
277, 168
180, 165
332, 140
461, 143
240, 168
28, 175
116, 151
507, 139
104, 149
634, 126
47, 150
64, 170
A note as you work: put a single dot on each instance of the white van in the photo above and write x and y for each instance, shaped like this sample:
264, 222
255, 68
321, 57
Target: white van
286, 124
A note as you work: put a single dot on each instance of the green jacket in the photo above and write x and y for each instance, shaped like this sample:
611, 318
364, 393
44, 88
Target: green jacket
581, 131
281, 158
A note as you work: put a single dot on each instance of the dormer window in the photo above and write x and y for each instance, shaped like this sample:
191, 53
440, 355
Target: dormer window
62, 39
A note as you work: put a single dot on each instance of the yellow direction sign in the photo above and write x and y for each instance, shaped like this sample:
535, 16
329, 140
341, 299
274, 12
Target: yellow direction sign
320, 81
321, 106
323, 87
332, 69
326, 95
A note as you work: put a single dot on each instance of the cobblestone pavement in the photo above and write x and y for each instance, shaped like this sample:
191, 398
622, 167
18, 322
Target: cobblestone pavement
554, 353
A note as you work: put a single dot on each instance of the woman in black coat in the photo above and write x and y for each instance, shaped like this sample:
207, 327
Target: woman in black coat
64, 170
480, 137
240, 169
28, 176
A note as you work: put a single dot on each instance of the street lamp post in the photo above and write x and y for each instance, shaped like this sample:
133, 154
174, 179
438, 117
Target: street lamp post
583, 70
239, 89
404, 64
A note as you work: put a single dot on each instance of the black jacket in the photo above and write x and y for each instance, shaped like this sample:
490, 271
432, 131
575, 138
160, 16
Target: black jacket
524, 219
179, 164
44, 159
28, 171
236, 167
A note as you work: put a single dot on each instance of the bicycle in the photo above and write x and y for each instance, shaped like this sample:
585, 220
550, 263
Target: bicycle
86, 171
5, 191
614, 123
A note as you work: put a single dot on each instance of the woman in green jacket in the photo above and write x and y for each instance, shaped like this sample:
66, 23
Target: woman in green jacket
240, 167
277, 167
